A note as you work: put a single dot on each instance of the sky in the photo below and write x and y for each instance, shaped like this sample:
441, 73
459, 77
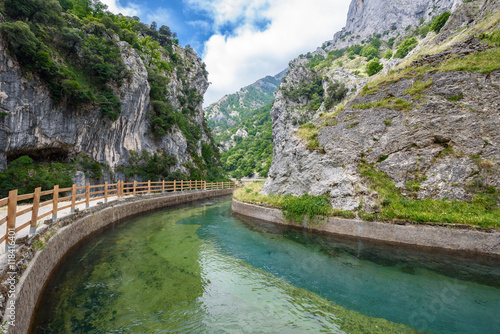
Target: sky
241, 41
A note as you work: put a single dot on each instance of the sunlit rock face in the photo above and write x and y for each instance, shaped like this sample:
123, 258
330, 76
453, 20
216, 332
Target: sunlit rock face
446, 142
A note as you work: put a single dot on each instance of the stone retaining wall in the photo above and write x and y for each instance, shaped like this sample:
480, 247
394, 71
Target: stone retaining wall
43, 263
439, 237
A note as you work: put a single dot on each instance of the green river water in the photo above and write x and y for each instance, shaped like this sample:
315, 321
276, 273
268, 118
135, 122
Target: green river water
198, 269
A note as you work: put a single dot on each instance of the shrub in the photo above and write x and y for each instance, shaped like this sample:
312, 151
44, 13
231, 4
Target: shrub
335, 94
373, 67
370, 52
440, 21
406, 46
388, 54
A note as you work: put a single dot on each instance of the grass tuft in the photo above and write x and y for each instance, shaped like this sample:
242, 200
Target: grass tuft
389, 103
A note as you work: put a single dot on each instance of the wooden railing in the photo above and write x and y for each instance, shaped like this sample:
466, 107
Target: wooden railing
87, 194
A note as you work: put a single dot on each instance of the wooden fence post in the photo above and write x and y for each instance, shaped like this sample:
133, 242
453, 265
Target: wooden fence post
174, 186
205, 184
10, 231
87, 195
34, 213
182, 185
149, 187
73, 198
106, 192
162, 186
135, 186
55, 200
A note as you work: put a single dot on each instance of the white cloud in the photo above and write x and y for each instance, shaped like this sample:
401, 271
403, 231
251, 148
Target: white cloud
130, 9
199, 23
296, 27
228, 11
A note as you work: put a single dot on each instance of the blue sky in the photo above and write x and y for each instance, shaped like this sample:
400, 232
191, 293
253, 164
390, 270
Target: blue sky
242, 41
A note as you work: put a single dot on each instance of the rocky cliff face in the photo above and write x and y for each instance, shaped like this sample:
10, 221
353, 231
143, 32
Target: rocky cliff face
388, 18
35, 126
431, 125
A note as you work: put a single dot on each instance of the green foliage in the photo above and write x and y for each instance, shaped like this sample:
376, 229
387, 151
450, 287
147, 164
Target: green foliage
390, 42
406, 46
315, 61
423, 30
492, 38
110, 105
373, 67
335, 94
388, 54
370, 52
72, 46
439, 22
456, 98
481, 211
313, 208
26, 175
149, 166
101, 57
335, 54
305, 209
309, 133
419, 86
72, 79
311, 92
254, 153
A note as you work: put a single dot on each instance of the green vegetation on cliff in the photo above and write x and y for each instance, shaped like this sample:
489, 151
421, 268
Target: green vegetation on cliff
482, 210
252, 154
78, 49
25, 174
71, 45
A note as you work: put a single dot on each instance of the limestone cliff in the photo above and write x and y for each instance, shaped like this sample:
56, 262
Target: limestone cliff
430, 125
33, 124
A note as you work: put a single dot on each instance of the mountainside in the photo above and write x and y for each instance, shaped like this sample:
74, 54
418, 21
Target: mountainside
397, 144
253, 146
232, 109
242, 127
78, 82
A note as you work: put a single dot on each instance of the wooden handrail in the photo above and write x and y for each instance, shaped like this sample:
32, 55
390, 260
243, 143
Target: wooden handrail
90, 194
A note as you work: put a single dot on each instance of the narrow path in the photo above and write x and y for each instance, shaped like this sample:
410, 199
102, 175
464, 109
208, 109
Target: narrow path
40, 225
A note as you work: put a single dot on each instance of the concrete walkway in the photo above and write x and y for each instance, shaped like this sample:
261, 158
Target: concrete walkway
40, 225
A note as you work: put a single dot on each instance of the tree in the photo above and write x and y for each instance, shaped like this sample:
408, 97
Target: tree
373, 67
154, 26
165, 30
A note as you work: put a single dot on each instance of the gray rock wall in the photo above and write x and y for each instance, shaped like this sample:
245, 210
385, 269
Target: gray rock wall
446, 146
37, 126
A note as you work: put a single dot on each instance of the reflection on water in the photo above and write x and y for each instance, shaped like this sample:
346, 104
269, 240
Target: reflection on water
195, 269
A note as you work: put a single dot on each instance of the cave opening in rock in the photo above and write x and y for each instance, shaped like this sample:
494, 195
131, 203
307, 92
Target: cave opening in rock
46, 154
